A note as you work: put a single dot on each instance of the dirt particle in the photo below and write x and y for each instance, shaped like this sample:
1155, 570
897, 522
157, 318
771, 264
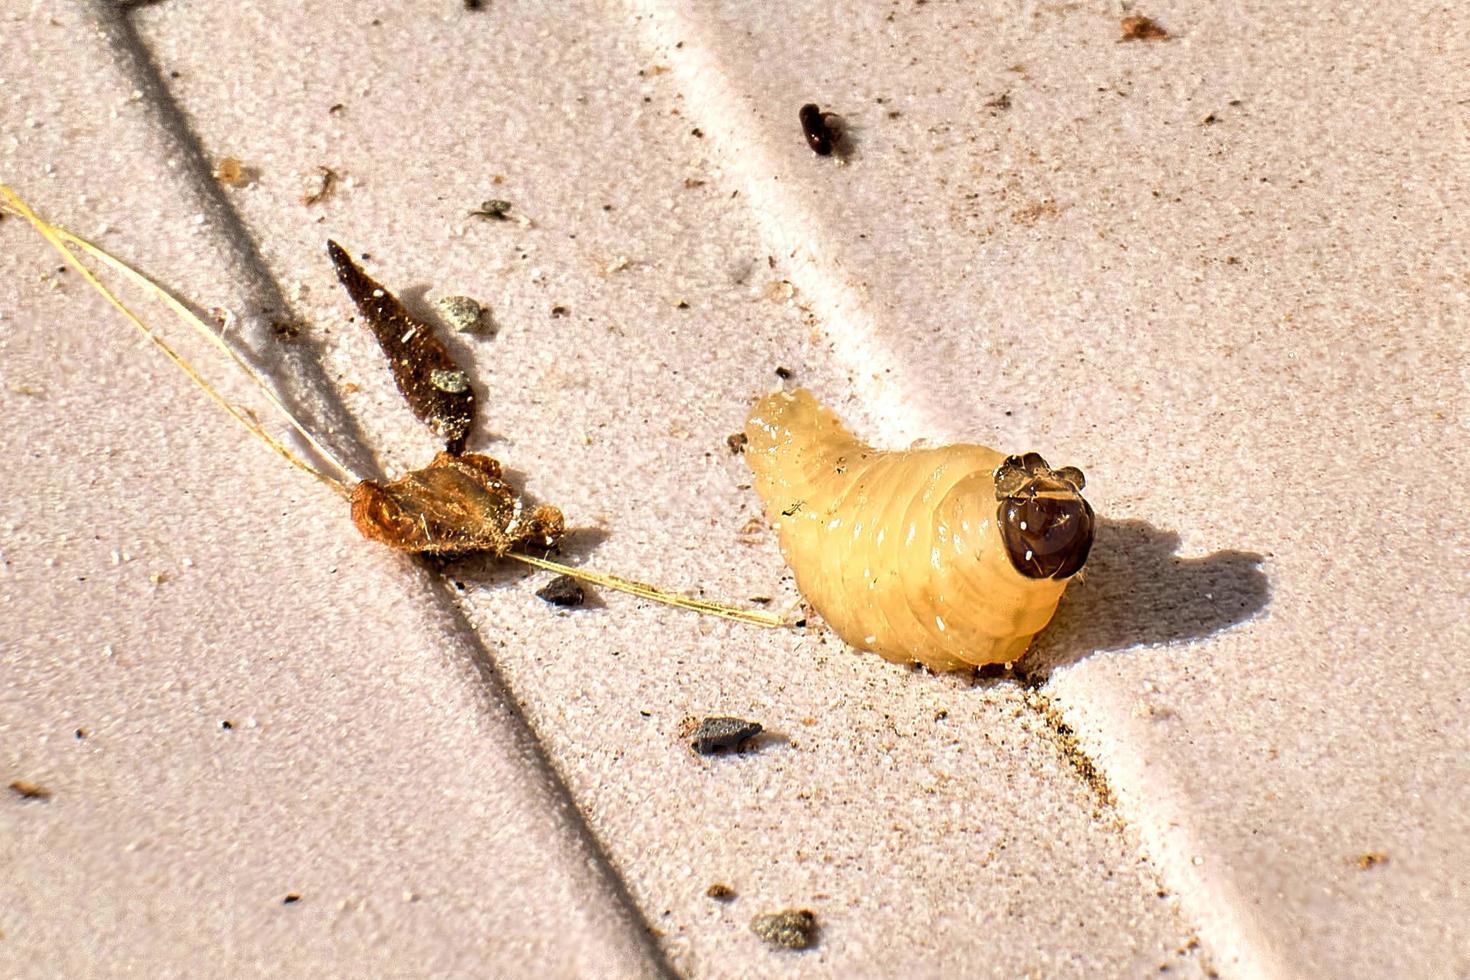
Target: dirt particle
1066, 742
720, 892
1140, 28
783, 373
560, 311
319, 186
291, 898
1000, 103
790, 928
494, 209
228, 726
1369, 859
28, 790
736, 441
715, 734
563, 591
232, 173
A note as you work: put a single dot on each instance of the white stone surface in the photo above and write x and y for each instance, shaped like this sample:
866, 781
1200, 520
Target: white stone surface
1249, 331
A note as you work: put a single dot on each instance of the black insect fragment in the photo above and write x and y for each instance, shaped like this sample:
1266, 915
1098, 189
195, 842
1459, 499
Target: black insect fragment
791, 928
714, 734
562, 591
436, 388
819, 135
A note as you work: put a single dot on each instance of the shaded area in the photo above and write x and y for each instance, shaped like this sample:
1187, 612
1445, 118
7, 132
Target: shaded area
296, 372
1136, 590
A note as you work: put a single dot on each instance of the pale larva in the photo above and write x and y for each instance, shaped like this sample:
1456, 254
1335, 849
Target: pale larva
951, 556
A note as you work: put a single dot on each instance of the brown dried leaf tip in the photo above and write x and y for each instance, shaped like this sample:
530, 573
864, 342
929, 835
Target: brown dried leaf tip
436, 388
455, 505
1140, 28
791, 928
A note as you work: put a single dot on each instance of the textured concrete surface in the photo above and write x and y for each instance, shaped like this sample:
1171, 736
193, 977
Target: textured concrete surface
1224, 273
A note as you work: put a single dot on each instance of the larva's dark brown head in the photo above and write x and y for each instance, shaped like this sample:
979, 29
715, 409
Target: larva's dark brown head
1044, 522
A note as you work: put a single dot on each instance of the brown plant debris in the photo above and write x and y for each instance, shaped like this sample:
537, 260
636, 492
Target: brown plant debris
436, 389
28, 790
455, 505
320, 186
1137, 27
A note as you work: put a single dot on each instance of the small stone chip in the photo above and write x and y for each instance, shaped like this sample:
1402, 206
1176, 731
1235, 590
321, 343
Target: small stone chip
720, 892
562, 591
453, 382
736, 443
461, 313
714, 734
790, 928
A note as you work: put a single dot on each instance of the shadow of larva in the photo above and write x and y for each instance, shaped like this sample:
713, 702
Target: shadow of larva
1137, 590
951, 556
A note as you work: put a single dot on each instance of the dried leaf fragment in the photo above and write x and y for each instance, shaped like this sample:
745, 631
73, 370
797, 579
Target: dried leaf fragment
455, 505
790, 928
437, 389
1137, 27
320, 186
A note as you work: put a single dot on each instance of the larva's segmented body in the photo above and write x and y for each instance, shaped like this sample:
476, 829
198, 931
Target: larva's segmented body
917, 555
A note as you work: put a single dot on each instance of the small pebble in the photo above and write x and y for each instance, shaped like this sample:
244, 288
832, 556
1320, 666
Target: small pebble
791, 928
563, 591
461, 313
714, 734
720, 892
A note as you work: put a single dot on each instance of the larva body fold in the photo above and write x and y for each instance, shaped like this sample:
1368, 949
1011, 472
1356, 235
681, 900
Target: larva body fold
903, 553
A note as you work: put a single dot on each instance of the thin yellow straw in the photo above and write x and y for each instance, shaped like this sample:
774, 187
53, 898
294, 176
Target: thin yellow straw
646, 591
60, 239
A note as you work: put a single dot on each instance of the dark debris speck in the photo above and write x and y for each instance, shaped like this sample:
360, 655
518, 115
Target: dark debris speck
714, 734
563, 591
